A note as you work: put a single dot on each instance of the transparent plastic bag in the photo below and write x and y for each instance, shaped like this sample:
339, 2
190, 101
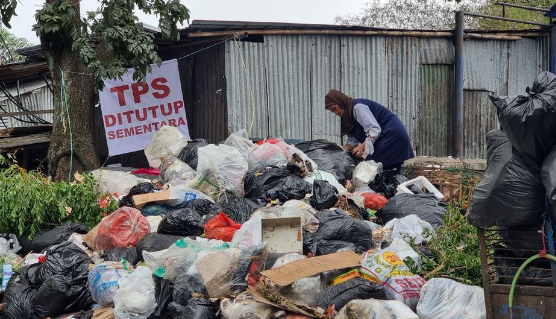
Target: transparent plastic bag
443, 298
115, 182
249, 234
123, 228
168, 140
246, 308
265, 155
173, 168
301, 159
168, 262
135, 297
240, 140
103, 282
401, 248
220, 169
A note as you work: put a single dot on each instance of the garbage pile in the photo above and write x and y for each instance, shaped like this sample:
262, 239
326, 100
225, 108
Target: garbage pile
520, 179
241, 230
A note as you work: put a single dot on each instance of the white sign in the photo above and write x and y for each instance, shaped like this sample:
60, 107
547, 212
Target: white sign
133, 111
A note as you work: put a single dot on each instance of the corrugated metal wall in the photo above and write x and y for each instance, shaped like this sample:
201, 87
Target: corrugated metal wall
39, 99
293, 73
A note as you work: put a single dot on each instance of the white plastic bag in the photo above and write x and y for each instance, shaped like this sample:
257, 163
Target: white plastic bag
172, 168
295, 153
322, 175
245, 309
166, 141
220, 169
443, 298
376, 309
409, 228
135, 298
108, 181
5, 245
154, 221
265, 155
239, 140
103, 282
401, 248
365, 172
249, 234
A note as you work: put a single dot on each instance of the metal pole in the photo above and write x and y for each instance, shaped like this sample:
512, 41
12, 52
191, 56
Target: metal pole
478, 15
458, 111
503, 4
552, 65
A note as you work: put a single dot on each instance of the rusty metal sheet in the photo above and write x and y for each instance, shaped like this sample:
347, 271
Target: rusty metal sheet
485, 66
436, 51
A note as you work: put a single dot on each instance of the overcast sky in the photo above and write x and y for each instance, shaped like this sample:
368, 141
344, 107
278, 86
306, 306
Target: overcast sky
299, 11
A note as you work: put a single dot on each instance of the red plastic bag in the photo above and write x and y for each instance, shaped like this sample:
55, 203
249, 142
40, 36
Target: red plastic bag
374, 201
221, 227
122, 228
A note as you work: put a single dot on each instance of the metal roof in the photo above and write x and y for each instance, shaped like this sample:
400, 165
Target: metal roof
22, 70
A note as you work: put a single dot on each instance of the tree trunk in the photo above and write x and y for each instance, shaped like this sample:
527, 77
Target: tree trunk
80, 96
72, 145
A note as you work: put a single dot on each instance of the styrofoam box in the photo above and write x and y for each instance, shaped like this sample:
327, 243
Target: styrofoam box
283, 235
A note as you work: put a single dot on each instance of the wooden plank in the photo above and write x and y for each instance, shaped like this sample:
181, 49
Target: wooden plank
13, 142
11, 114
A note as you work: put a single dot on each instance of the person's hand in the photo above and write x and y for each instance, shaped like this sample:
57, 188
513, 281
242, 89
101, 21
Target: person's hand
358, 150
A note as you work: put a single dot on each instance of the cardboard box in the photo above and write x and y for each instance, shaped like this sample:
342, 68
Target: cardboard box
304, 268
283, 235
217, 269
157, 197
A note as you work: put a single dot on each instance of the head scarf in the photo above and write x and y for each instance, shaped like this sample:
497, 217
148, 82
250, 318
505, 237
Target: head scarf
344, 102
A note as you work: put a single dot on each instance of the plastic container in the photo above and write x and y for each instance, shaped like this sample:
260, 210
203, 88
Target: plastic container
422, 183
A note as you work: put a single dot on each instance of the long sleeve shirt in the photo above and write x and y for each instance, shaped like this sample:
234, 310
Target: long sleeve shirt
365, 117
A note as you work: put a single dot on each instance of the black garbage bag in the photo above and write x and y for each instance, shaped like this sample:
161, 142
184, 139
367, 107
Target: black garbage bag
330, 158
308, 242
119, 253
59, 295
425, 206
239, 210
61, 281
47, 238
337, 225
517, 198
188, 154
530, 121
154, 242
247, 257
141, 188
207, 209
537, 273
499, 150
324, 196
156, 209
175, 311
163, 291
292, 187
325, 247
77, 315
182, 222
18, 295
259, 182
358, 288
523, 241
65, 259
185, 285
388, 181
548, 178
200, 308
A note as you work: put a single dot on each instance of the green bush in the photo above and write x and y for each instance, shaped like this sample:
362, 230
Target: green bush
30, 201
